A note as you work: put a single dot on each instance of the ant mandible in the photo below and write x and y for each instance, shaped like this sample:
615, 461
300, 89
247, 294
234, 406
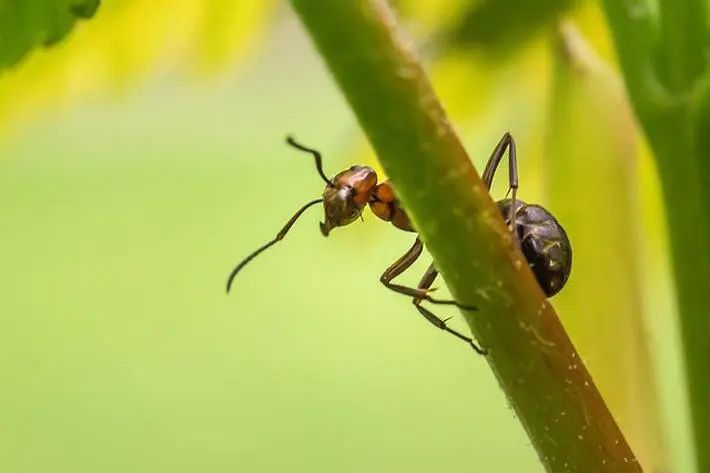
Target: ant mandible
542, 239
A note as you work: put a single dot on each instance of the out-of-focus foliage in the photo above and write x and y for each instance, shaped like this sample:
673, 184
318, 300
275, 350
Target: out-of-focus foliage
499, 25
25, 24
592, 145
125, 41
701, 122
429, 18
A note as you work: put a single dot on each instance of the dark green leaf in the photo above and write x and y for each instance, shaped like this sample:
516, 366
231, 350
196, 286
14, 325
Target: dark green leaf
27, 24
505, 24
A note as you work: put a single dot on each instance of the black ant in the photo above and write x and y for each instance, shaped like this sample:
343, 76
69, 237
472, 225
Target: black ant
542, 239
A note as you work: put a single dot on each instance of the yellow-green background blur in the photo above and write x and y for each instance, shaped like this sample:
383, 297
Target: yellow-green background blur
143, 156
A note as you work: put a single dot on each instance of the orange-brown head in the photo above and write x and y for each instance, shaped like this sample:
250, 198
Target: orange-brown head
346, 196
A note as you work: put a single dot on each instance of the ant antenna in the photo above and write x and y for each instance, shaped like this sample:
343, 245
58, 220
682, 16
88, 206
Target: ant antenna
316, 155
278, 238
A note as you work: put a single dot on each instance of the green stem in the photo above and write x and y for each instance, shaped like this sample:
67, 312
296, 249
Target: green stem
672, 128
529, 351
687, 212
634, 30
683, 42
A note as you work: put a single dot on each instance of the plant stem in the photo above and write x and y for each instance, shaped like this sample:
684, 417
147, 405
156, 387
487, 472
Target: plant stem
530, 353
634, 30
671, 127
683, 42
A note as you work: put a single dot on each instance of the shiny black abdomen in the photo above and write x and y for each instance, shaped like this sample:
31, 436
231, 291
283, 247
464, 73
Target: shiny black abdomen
543, 242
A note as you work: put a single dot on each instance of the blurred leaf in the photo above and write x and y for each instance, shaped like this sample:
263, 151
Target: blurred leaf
661, 315
26, 24
684, 42
128, 40
701, 124
427, 18
227, 28
86, 8
506, 24
591, 165
589, 18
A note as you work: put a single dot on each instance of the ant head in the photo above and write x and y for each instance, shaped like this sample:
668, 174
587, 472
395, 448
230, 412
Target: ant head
346, 195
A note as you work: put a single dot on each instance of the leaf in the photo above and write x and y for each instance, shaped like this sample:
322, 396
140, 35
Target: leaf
700, 119
592, 146
129, 40
27, 24
506, 24
85, 8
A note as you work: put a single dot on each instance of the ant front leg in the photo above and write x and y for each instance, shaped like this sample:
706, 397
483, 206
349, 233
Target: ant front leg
424, 284
507, 142
400, 266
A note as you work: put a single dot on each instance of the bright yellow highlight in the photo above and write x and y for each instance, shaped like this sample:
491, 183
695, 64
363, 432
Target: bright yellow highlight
126, 40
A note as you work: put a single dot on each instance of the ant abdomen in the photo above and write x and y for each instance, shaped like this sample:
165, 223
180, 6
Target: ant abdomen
544, 243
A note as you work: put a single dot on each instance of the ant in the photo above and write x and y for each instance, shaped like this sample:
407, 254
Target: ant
542, 239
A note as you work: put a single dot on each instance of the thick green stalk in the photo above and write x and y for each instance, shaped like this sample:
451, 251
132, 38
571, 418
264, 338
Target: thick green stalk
530, 353
672, 128
683, 42
633, 20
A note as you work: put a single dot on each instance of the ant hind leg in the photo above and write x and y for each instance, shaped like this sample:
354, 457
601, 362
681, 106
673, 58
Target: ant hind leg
420, 293
400, 266
425, 283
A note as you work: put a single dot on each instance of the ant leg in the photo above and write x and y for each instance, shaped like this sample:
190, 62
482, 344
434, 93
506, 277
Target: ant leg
428, 279
401, 265
421, 292
425, 283
506, 143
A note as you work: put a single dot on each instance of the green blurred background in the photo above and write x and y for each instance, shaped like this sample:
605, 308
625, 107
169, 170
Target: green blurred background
141, 158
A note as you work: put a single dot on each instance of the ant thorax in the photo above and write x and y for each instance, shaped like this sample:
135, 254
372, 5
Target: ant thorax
385, 205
